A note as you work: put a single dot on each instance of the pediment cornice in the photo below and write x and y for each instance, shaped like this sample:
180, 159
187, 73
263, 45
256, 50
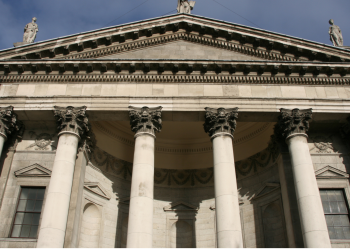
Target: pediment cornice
257, 42
179, 71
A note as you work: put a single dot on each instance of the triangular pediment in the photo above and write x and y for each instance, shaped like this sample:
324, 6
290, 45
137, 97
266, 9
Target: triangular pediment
34, 170
330, 172
266, 189
207, 32
182, 50
97, 189
180, 206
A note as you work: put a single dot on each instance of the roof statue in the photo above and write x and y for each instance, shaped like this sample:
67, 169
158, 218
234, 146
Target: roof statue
185, 6
335, 34
30, 31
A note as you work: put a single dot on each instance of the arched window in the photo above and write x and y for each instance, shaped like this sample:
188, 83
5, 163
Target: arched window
181, 235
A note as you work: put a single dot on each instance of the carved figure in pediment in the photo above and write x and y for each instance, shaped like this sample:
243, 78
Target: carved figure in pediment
335, 34
30, 31
220, 120
145, 119
185, 6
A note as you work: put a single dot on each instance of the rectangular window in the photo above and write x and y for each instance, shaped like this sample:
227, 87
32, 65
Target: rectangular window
337, 213
28, 212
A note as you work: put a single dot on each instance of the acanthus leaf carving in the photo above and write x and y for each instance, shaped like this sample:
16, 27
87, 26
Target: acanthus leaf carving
291, 122
145, 119
220, 120
9, 123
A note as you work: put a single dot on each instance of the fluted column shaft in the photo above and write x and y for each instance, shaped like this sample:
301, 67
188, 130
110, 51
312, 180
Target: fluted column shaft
144, 122
73, 125
220, 125
292, 127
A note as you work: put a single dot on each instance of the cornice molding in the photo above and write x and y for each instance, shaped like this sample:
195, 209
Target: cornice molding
190, 25
160, 40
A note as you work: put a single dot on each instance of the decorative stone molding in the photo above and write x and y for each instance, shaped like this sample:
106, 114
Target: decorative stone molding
75, 121
323, 144
102, 161
145, 120
194, 38
181, 79
330, 172
8, 122
266, 189
180, 206
97, 189
185, 177
291, 122
72, 120
43, 141
220, 120
34, 170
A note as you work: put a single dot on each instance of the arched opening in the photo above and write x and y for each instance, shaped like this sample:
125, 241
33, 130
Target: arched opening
274, 230
90, 227
181, 235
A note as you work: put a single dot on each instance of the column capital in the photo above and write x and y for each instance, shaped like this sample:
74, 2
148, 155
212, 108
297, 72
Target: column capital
9, 124
292, 122
145, 120
72, 120
220, 121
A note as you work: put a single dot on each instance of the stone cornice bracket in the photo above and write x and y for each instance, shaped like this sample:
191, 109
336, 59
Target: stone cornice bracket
9, 123
220, 121
292, 122
72, 120
145, 120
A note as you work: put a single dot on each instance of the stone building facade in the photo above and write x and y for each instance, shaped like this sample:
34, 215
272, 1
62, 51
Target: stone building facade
103, 144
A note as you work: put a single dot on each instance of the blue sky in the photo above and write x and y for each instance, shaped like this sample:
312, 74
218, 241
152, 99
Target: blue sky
306, 19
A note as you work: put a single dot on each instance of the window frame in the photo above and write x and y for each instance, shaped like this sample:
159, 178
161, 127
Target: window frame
19, 193
336, 183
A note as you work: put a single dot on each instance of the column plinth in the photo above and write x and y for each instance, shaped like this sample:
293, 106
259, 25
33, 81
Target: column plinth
220, 125
72, 124
292, 127
144, 122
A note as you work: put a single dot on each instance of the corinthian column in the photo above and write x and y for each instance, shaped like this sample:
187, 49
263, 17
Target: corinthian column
292, 127
144, 122
72, 127
9, 125
220, 124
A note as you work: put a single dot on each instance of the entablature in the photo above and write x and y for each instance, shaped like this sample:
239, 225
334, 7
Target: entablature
182, 71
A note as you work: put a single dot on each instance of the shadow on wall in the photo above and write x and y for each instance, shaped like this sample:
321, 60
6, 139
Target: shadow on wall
90, 227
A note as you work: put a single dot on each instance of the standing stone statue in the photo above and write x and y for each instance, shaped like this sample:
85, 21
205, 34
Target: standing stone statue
30, 31
185, 6
335, 34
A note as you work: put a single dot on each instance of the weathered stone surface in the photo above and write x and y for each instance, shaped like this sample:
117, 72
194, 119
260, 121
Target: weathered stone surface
145, 119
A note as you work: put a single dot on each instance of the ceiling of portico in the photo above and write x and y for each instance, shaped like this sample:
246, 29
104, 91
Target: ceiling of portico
181, 145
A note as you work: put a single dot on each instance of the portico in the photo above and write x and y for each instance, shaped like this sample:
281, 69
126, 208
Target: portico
114, 135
